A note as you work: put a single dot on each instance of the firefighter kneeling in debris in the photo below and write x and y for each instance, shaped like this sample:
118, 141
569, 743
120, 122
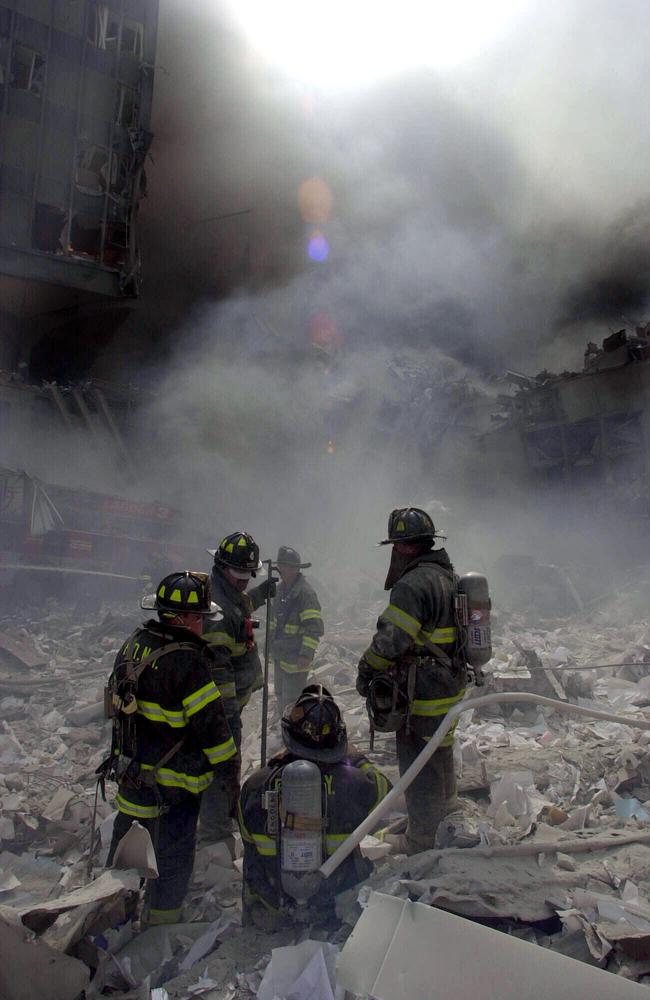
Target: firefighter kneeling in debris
296, 811
415, 668
170, 733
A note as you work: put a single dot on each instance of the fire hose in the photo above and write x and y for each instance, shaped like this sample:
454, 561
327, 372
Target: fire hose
468, 704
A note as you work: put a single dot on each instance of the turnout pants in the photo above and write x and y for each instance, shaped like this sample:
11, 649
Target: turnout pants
174, 838
431, 795
219, 803
288, 686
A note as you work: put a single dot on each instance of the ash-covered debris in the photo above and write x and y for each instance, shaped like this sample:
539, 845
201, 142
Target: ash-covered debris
551, 840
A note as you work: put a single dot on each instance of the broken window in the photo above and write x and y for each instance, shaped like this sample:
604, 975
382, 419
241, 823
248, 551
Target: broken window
103, 27
127, 109
132, 38
47, 228
85, 236
119, 176
92, 170
27, 70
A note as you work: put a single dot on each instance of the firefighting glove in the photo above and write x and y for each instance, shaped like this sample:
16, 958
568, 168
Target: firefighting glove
268, 588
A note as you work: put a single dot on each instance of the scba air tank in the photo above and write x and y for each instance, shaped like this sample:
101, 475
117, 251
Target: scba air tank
301, 830
475, 606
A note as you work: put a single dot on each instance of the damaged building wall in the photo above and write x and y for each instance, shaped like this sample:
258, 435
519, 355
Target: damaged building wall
580, 428
76, 89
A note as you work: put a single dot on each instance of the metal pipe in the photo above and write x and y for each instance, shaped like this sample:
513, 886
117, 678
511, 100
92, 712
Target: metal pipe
267, 653
466, 705
565, 668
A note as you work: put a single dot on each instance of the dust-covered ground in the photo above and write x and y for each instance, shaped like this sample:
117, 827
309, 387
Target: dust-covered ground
531, 780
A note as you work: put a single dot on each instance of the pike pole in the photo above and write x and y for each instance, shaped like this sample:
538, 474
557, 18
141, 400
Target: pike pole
267, 651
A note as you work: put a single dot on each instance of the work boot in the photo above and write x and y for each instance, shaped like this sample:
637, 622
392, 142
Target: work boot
398, 843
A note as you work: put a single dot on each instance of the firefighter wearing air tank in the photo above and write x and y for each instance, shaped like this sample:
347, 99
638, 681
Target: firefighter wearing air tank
170, 733
237, 671
296, 627
295, 812
415, 669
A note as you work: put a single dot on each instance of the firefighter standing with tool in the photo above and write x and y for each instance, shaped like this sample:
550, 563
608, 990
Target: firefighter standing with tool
169, 734
415, 668
295, 812
237, 671
296, 627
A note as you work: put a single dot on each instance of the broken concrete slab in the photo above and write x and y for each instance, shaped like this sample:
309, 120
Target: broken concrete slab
21, 652
112, 884
30, 970
403, 949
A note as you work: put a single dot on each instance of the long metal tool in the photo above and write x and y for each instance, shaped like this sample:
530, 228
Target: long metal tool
466, 705
267, 655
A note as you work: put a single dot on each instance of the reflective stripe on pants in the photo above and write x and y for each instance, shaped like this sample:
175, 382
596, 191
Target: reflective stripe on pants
174, 838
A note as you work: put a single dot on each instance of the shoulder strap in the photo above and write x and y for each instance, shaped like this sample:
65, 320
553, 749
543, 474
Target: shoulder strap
439, 653
134, 670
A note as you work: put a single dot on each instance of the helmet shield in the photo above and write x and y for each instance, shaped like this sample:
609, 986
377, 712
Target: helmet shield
313, 728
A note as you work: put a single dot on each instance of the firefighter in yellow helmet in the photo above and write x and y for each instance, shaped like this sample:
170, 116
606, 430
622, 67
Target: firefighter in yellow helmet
170, 733
414, 669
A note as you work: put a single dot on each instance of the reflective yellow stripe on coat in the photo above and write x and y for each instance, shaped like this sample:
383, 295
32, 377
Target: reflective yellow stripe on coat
430, 707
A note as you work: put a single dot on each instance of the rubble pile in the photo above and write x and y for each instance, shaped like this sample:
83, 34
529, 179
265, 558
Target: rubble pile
550, 842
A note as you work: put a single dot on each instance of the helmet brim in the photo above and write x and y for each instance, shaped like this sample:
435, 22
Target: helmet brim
148, 603
213, 553
286, 565
413, 538
324, 755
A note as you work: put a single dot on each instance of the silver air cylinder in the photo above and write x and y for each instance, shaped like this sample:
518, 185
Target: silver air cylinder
473, 588
301, 831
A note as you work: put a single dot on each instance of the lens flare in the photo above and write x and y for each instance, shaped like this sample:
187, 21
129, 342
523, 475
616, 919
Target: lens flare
318, 249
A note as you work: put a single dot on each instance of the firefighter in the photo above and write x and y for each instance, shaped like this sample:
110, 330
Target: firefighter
414, 670
350, 787
296, 627
170, 733
237, 671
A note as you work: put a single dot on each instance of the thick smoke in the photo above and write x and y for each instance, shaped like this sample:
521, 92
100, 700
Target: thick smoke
484, 210
491, 216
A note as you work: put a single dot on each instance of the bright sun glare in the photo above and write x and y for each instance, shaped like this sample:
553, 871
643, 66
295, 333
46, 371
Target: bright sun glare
337, 44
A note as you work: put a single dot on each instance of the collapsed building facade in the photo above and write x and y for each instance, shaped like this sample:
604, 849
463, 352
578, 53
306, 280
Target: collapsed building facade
76, 89
582, 427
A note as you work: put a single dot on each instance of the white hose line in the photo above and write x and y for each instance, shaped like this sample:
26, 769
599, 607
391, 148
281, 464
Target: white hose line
467, 704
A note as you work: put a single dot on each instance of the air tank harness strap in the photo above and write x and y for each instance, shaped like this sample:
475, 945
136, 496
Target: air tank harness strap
292, 821
439, 653
149, 777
